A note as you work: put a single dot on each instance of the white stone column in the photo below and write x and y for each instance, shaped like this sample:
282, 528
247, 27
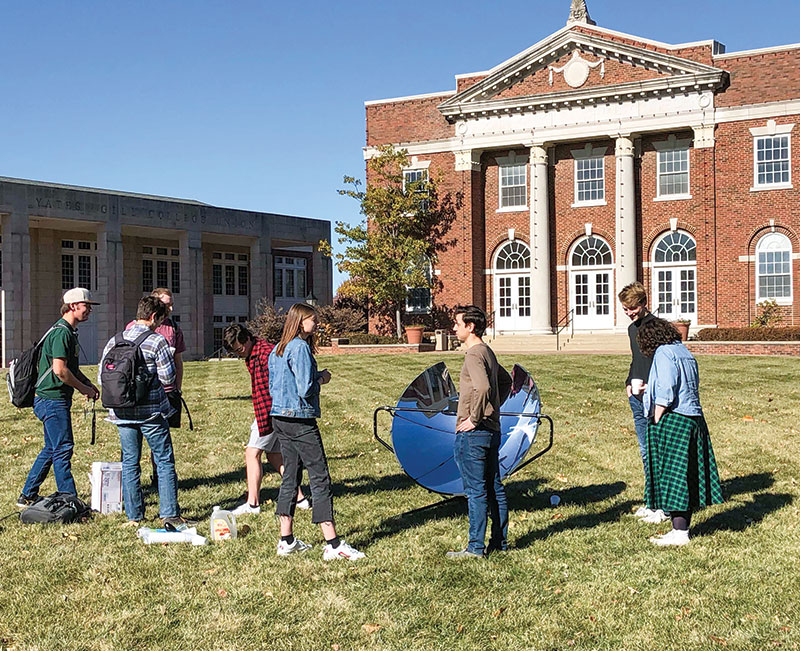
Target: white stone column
192, 299
540, 243
110, 283
626, 264
259, 273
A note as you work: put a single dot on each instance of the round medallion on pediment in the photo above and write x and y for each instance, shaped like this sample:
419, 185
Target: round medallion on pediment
576, 72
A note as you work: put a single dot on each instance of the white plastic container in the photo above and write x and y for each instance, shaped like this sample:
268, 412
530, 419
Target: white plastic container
106, 481
222, 525
154, 536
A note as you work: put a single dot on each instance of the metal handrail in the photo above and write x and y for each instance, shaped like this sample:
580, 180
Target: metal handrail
490, 325
570, 323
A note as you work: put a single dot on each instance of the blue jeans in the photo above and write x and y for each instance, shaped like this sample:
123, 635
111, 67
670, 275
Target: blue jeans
476, 455
57, 450
158, 438
640, 423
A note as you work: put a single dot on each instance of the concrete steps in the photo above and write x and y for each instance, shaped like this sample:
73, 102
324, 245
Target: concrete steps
595, 343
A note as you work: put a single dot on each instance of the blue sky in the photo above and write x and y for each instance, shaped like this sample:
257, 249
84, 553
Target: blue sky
259, 105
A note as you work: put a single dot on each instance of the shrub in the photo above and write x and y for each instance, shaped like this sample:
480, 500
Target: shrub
366, 338
339, 319
769, 314
268, 324
749, 334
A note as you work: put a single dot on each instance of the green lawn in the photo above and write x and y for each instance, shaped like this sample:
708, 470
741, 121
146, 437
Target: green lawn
581, 575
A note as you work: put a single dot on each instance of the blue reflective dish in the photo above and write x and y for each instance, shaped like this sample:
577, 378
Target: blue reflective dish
423, 440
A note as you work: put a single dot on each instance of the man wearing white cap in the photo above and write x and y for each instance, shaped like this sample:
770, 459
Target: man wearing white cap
58, 378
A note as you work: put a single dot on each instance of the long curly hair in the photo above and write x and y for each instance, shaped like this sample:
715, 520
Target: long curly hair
655, 333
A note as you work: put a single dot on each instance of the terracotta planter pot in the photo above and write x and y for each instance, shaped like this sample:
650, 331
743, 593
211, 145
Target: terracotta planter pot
682, 328
414, 334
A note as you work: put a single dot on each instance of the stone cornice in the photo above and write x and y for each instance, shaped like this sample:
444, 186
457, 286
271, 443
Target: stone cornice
479, 98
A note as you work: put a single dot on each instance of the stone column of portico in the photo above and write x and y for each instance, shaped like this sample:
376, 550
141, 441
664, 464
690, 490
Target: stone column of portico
17, 277
110, 312
259, 276
626, 264
540, 243
192, 293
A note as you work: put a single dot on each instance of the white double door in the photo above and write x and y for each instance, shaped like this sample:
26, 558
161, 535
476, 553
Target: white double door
675, 293
592, 298
513, 302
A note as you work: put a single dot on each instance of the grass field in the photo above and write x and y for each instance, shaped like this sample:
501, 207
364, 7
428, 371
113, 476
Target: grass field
581, 575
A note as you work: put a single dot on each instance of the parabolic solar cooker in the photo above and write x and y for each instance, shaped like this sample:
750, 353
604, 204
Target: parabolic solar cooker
424, 428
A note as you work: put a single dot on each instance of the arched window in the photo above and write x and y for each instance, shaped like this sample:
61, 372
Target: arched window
591, 252
774, 268
676, 248
513, 256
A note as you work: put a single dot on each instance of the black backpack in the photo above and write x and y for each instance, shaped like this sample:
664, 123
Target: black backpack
60, 508
23, 374
124, 377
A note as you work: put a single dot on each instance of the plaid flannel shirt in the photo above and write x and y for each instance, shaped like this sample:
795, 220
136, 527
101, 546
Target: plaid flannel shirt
258, 365
155, 351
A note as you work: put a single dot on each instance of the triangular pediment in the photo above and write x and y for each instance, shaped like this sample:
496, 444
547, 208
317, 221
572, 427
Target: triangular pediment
580, 65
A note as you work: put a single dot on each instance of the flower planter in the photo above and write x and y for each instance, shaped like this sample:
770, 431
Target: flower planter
414, 334
683, 329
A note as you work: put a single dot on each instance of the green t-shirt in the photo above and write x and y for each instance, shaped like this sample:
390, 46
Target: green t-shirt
61, 342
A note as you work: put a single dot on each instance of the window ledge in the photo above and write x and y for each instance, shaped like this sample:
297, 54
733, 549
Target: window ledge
513, 209
673, 197
779, 301
588, 204
774, 186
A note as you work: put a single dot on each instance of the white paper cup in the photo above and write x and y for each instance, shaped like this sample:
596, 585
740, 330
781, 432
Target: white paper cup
636, 386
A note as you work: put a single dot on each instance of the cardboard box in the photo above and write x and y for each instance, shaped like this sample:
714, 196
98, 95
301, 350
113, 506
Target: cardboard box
106, 480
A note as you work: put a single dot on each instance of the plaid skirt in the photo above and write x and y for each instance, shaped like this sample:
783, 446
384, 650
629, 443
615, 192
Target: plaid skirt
682, 472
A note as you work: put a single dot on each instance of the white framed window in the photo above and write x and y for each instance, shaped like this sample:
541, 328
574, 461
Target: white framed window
590, 182
161, 267
772, 156
78, 264
230, 274
774, 268
417, 179
419, 299
673, 169
290, 276
512, 182
513, 256
513, 186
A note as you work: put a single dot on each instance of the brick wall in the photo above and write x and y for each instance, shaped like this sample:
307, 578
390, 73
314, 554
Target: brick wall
773, 348
760, 78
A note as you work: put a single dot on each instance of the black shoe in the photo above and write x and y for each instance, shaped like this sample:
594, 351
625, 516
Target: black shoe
177, 523
24, 501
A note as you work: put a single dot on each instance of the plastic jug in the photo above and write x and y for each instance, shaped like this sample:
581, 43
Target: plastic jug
223, 524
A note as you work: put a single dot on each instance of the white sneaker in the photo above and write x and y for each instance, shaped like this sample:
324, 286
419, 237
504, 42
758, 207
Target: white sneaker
656, 517
284, 548
304, 504
676, 537
641, 512
342, 551
246, 509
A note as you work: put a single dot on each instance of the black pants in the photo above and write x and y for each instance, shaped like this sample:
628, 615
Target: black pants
301, 447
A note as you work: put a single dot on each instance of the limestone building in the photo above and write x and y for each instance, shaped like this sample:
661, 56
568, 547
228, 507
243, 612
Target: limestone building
595, 158
218, 262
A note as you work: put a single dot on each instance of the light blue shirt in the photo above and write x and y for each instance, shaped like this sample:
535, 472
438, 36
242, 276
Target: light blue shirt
673, 382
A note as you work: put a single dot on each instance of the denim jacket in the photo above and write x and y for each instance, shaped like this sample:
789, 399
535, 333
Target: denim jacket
293, 381
673, 382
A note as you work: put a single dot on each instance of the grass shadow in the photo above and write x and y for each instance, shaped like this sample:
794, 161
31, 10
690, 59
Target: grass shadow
744, 515
753, 483
233, 398
519, 498
581, 521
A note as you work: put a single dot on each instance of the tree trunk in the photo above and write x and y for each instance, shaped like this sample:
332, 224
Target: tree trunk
399, 328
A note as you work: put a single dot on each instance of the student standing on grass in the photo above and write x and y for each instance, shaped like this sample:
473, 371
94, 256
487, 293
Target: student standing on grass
58, 377
483, 387
170, 330
263, 439
148, 419
634, 303
682, 472
294, 383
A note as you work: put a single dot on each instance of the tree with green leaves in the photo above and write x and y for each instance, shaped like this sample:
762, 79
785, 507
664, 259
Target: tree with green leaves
397, 244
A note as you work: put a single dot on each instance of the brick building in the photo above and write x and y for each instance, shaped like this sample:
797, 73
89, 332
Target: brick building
218, 262
596, 158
